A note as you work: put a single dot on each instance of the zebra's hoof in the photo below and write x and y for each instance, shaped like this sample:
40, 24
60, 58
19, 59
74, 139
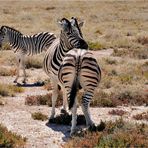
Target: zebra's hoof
15, 81
92, 128
63, 111
24, 82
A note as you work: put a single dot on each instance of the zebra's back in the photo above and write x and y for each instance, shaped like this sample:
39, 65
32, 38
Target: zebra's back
37, 43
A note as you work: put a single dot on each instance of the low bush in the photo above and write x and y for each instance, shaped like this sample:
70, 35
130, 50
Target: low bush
9, 139
141, 116
115, 134
117, 112
43, 100
39, 116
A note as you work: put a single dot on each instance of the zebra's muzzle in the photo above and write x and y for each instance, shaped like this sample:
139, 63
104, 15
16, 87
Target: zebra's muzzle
82, 45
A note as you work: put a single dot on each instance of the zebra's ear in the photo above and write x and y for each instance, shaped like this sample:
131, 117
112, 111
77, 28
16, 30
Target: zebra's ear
64, 24
81, 24
3, 29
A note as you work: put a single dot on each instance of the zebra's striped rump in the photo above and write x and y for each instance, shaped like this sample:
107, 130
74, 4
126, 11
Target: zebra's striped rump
79, 68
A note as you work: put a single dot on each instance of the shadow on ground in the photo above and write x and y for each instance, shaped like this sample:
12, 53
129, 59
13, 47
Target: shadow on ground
36, 84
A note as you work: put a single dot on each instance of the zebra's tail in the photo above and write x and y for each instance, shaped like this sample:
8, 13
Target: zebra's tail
73, 92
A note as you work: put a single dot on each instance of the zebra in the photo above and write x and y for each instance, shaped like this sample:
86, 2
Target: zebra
25, 45
79, 69
70, 37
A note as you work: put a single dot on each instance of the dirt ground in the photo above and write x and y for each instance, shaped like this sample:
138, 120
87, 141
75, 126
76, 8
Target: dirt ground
16, 116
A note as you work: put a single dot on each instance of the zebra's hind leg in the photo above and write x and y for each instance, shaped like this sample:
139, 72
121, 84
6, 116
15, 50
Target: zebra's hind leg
74, 118
85, 108
24, 75
64, 109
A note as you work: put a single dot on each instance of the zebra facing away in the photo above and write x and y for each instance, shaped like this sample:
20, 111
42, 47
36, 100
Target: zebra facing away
79, 69
70, 37
25, 45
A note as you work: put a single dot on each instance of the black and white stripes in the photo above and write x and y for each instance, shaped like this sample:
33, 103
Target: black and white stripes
25, 45
79, 69
70, 38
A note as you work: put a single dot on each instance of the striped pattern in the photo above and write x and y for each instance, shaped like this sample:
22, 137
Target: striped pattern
29, 45
79, 69
25, 45
70, 38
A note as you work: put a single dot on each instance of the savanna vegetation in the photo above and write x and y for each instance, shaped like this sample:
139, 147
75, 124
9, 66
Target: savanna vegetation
117, 26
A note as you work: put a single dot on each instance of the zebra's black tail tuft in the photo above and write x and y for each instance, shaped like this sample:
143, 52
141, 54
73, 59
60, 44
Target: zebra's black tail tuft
73, 93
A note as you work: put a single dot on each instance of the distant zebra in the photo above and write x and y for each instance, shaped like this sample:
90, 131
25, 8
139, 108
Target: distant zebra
70, 37
79, 69
25, 45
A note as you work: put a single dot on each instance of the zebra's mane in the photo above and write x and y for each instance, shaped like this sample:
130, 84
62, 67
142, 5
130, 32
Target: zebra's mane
12, 29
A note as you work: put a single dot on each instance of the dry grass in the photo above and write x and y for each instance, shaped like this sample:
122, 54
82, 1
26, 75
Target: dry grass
39, 116
117, 112
10, 90
115, 134
142, 116
7, 72
9, 139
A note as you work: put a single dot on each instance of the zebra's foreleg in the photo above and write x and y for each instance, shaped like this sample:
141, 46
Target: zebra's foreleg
54, 98
74, 118
18, 70
24, 71
85, 108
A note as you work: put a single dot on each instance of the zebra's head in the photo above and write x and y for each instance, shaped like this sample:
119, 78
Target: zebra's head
2, 34
71, 35
74, 22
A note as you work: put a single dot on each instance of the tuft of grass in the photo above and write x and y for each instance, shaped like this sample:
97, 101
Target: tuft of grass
10, 90
39, 116
117, 112
95, 45
142, 116
115, 134
7, 72
9, 139
125, 78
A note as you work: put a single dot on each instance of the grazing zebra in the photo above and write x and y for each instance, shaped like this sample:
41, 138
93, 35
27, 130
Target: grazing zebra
25, 45
79, 69
70, 37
